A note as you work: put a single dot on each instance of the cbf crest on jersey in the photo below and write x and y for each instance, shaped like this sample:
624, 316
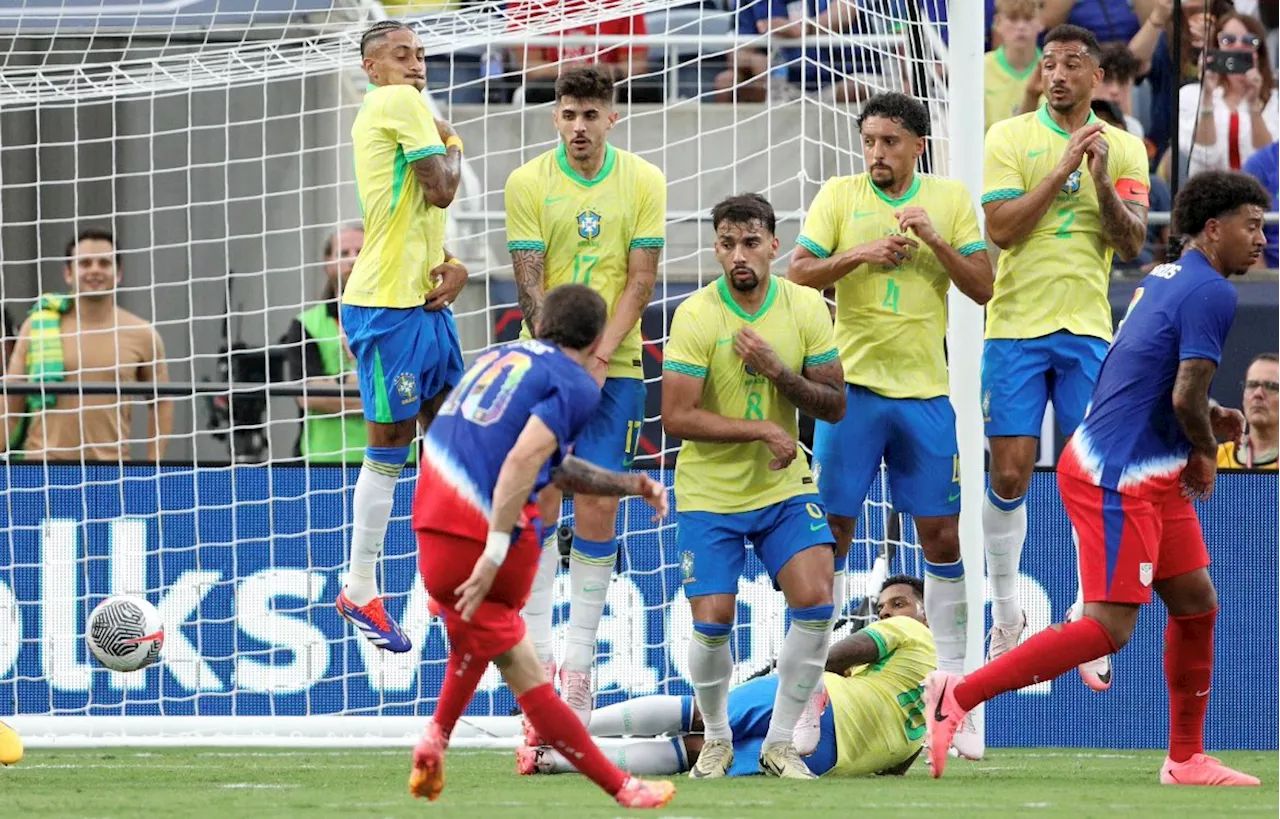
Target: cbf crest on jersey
589, 225
1072, 185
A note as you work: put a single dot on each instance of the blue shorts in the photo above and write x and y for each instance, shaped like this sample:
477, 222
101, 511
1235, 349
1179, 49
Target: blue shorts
713, 548
916, 437
750, 709
611, 437
1020, 374
404, 356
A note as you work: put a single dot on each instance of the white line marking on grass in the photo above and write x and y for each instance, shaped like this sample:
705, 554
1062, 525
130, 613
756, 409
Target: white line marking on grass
1079, 755
256, 786
1036, 805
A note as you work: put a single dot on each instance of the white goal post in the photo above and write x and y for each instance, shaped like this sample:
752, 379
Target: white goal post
213, 138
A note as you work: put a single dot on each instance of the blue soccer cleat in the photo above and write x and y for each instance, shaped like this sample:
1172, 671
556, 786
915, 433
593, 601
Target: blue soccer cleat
374, 623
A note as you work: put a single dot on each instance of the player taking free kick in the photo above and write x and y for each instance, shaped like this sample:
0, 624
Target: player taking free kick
500, 437
1145, 450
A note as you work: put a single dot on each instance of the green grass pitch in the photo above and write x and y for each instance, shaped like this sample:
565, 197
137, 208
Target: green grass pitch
226, 783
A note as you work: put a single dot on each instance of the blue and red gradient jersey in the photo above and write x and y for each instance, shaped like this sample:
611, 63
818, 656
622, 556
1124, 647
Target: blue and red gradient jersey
1130, 440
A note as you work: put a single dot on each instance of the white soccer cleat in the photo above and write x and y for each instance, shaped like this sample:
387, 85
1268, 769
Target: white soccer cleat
809, 728
967, 743
575, 687
1003, 639
714, 760
1095, 673
783, 761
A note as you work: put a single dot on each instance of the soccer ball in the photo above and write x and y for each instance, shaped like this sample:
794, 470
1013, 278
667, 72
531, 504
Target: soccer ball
125, 633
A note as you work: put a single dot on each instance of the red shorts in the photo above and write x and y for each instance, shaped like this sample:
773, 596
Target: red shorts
1127, 543
445, 562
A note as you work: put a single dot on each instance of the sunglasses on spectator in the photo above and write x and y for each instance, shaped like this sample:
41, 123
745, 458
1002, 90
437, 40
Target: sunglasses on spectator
1269, 386
1246, 40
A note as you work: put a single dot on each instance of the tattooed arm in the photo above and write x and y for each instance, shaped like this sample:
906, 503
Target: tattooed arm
440, 174
1191, 404
1124, 224
529, 270
576, 475
642, 275
817, 391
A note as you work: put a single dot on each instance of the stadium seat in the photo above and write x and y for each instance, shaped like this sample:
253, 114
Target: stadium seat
696, 73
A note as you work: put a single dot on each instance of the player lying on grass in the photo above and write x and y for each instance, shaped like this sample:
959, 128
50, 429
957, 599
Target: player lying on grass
500, 437
1146, 449
875, 724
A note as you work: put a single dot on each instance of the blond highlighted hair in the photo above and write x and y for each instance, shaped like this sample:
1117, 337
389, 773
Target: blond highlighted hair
1018, 8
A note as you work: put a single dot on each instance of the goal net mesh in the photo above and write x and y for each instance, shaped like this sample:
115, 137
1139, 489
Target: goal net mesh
213, 139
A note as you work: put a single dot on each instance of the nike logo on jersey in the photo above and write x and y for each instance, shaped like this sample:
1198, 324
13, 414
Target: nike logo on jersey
551, 200
860, 214
1034, 154
720, 341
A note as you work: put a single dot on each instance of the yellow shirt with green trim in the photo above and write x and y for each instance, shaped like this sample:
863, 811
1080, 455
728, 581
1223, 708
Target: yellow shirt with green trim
728, 478
891, 322
403, 234
878, 709
1005, 85
587, 228
1056, 277
1229, 457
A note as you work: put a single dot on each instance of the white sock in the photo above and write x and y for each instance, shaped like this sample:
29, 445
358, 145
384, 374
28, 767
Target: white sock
646, 757
650, 716
1004, 533
540, 608
800, 663
838, 584
371, 511
948, 613
710, 669
588, 588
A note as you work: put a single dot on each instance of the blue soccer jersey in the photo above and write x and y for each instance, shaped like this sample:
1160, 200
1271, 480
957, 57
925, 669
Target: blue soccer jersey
479, 423
1130, 440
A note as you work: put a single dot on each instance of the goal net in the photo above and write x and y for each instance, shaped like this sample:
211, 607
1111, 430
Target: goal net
213, 140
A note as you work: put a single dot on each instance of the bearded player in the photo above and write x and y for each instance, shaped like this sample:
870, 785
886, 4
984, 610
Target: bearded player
891, 242
590, 213
501, 436
1062, 193
1144, 452
395, 306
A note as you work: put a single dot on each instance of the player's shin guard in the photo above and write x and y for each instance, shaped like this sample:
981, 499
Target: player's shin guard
1188, 670
1004, 525
560, 728
539, 610
649, 716
948, 612
710, 669
800, 663
590, 570
461, 676
645, 757
371, 511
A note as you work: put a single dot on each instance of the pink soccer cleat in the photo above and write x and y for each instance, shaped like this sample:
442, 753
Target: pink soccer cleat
427, 777
638, 793
809, 727
1096, 673
943, 717
575, 687
531, 761
1202, 769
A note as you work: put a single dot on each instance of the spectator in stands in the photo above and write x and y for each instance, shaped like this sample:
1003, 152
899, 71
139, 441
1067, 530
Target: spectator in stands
1261, 401
1262, 166
1226, 117
1119, 70
1010, 65
540, 65
1160, 200
747, 77
333, 429
85, 337
1109, 20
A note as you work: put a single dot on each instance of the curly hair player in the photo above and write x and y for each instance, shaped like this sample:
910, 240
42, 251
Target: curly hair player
1144, 452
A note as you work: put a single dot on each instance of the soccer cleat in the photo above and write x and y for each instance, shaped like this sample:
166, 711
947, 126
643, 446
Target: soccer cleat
374, 623
1202, 769
943, 717
575, 687
809, 728
1095, 673
640, 793
533, 760
782, 760
967, 744
714, 760
1003, 639
427, 777
531, 737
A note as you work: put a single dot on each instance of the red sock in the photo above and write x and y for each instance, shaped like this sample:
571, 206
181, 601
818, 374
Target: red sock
1188, 669
461, 676
560, 727
1045, 656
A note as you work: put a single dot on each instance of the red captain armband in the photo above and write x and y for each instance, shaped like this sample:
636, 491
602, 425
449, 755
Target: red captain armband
1131, 190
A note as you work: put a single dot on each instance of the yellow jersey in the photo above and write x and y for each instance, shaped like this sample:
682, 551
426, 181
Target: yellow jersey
878, 709
1056, 277
403, 234
1005, 85
587, 228
728, 478
1230, 457
891, 324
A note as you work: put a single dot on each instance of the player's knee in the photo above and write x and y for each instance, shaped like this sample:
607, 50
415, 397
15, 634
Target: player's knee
594, 516
1119, 621
398, 434
1187, 595
718, 609
842, 528
941, 540
1010, 481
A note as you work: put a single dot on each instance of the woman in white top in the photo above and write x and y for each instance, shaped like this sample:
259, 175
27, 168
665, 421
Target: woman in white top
1230, 115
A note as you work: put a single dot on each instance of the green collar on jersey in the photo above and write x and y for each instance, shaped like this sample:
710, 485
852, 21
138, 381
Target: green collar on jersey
723, 286
1003, 62
910, 192
610, 159
1042, 114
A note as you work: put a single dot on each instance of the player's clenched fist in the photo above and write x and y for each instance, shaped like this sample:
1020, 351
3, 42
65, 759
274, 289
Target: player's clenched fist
890, 251
1198, 475
1077, 145
1097, 150
756, 353
916, 220
654, 494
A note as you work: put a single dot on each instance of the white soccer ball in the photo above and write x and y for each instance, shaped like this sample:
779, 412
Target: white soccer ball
125, 633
